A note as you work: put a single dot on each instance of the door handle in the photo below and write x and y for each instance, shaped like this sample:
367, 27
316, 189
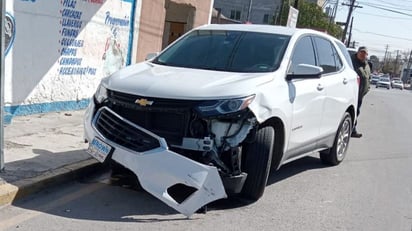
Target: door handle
345, 81
320, 87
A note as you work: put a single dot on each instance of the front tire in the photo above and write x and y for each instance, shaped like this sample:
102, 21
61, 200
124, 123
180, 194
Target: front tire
256, 162
337, 153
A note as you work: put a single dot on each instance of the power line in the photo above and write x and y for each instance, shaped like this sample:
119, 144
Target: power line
384, 16
384, 35
390, 3
385, 6
394, 11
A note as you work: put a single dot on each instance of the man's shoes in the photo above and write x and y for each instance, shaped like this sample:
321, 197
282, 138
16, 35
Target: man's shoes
356, 134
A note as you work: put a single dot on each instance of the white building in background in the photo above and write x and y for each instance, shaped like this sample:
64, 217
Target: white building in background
58, 51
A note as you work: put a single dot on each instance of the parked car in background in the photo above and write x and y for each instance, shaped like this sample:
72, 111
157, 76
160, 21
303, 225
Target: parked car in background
397, 83
374, 79
210, 115
384, 82
393, 80
352, 51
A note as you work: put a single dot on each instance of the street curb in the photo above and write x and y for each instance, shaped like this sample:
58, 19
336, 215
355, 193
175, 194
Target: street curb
9, 192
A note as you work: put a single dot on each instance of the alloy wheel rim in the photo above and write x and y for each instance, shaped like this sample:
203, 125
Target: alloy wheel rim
343, 139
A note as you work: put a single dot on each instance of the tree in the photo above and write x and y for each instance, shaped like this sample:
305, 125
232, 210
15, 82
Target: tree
375, 62
311, 16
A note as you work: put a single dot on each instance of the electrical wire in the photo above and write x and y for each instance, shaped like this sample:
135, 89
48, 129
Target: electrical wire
387, 9
385, 6
384, 35
400, 18
390, 3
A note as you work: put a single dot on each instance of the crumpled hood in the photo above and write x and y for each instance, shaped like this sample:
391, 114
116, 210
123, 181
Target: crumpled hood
152, 80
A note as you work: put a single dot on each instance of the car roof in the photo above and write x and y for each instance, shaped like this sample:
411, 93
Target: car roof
351, 50
260, 28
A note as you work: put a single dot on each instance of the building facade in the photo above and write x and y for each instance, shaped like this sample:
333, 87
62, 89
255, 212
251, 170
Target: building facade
58, 51
254, 11
163, 21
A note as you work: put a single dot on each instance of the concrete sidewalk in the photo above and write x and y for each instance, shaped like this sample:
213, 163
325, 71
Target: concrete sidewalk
43, 150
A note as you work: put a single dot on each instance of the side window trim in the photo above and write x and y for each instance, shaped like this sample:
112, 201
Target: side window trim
337, 56
317, 54
296, 44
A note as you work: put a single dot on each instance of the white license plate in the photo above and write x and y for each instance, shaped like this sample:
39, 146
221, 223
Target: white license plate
99, 149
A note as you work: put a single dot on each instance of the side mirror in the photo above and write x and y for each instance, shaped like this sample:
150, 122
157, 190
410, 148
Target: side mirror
305, 71
151, 56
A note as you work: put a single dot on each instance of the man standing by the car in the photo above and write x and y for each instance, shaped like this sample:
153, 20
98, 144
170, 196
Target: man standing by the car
362, 68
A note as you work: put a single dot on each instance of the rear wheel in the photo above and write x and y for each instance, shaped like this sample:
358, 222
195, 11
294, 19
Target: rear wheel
337, 153
256, 161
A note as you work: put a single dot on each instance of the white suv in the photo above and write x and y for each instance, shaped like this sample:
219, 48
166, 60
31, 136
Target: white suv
211, 114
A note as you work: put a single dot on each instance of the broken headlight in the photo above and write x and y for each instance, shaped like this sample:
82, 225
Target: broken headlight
101, 94
224, 106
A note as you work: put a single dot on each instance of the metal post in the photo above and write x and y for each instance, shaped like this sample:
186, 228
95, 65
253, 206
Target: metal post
249, 10
350, 34
408, 67
296, 5
345, 30
2, 56
281, 12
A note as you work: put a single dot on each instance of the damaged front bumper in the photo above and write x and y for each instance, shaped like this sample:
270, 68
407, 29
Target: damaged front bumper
160, 171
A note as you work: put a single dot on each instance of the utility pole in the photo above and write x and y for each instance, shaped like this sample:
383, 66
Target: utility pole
2, 56
408, 67
249, 10
351, 7
396, 63
335, 9
386, 53
350, 33
280, 12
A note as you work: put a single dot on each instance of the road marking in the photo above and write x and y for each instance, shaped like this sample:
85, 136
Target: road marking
30, 214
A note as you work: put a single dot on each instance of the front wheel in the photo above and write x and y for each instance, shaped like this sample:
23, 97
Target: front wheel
256, 161
337, 153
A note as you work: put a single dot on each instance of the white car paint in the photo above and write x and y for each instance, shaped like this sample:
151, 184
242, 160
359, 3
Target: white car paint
310, 110
154, 172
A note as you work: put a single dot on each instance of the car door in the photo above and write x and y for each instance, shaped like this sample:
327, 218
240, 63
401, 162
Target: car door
307, 102
340, 89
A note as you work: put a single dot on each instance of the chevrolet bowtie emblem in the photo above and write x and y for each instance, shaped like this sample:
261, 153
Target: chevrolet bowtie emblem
143, 102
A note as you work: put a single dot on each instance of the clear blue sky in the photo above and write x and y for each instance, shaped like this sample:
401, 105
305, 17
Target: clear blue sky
380, 23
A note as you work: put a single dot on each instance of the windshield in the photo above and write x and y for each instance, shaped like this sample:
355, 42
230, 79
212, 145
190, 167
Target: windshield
234, 51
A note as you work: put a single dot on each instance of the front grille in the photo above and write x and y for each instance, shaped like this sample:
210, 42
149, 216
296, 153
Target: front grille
123, 133
158, 103
167, 118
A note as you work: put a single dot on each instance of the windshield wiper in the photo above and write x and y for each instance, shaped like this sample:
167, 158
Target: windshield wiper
159, 62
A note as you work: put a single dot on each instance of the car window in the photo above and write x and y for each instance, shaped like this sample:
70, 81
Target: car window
328, 58
235, 51
303, 53
346, 53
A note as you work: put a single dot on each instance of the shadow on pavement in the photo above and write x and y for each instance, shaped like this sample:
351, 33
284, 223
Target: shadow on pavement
43, 161
294, 168
116, 199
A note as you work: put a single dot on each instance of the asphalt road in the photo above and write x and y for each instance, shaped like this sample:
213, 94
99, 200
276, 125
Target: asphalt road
370, 190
